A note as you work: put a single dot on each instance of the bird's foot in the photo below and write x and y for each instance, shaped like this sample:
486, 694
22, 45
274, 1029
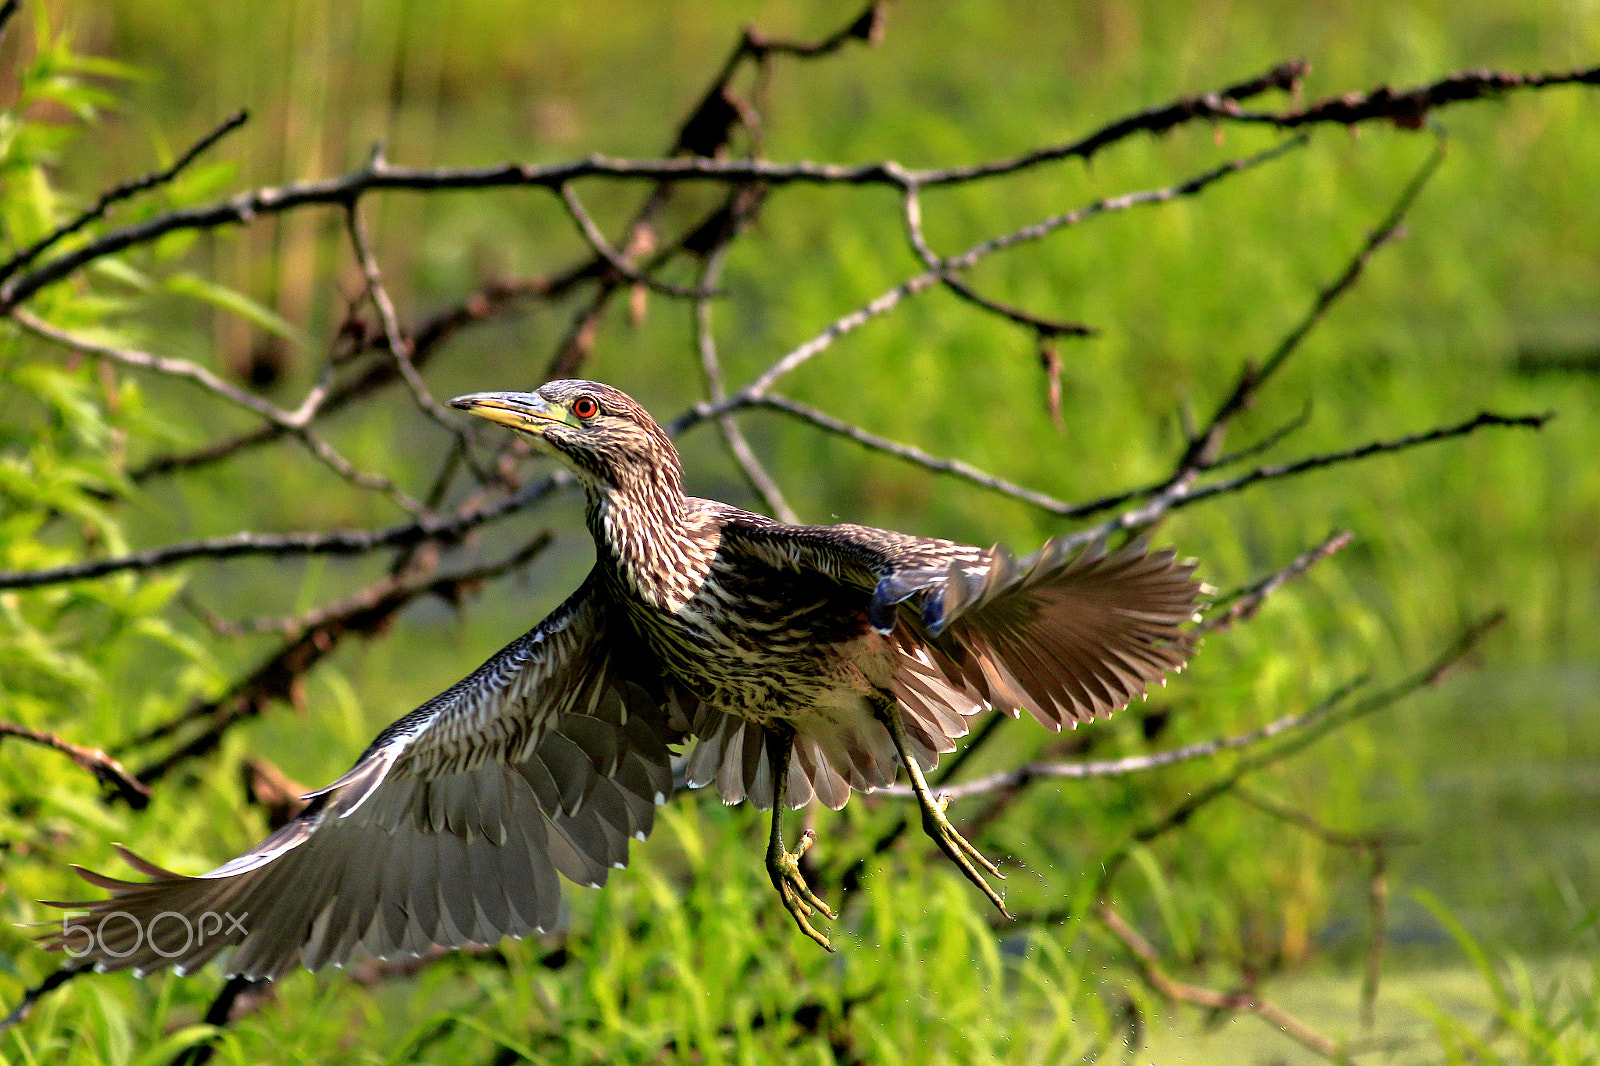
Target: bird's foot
783, 866
960, 850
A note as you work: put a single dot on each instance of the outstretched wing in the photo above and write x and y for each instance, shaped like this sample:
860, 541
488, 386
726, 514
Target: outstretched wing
449, 829
1066, 635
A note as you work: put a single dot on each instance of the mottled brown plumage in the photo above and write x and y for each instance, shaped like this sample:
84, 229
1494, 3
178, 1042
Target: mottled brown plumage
803, 662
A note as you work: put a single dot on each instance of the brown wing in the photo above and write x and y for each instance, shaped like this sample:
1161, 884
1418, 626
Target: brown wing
1068, 636
448, 831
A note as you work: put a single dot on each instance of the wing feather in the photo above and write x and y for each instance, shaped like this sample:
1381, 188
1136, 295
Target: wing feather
450, 829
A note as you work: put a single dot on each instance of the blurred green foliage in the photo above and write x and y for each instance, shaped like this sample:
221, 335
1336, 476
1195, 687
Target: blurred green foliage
684, 956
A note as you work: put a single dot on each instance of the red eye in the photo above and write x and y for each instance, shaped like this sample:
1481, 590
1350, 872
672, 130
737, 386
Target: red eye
585, 407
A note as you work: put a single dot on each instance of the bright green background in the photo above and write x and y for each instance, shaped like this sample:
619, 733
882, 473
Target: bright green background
1494, 774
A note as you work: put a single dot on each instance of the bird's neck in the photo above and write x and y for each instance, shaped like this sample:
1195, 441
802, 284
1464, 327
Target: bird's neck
648, 540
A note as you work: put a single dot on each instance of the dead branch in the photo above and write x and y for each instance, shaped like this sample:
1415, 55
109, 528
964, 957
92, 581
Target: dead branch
953, 467
1333, 715
337, 542
398, 343
1241, 999
1132, 764
108, 771
1243, 605
1204, 447
1351, 109
886, 302
1374, 848
62, 974
711, 375
491, 301
117, 193
1178, 496
1334, 712
602, 248
293, 424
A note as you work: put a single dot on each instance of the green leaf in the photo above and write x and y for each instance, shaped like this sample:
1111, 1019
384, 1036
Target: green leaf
186, 284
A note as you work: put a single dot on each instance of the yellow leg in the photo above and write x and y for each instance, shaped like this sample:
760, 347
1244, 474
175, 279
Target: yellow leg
957, 847
783, 866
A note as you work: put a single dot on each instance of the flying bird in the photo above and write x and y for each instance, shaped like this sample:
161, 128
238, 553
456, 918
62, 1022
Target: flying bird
802, 663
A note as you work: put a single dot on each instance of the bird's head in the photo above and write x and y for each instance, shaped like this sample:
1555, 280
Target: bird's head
599, 432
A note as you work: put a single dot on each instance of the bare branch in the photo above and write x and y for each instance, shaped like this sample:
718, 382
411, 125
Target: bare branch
1176, 496
614, 260
954, 467
1381, 103
1374, 846
178, 368
118, 193
1303, 821
1132, 764
399, 343
1268, 442
336, 542
1242, 999
1333, 712
107, 771
491, 301
1243, 605
293, 424
1203, 448
866, 27
791, 361
1409, 108
711, 373
1045, 327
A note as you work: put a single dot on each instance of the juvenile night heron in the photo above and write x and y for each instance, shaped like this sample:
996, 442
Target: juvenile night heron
803, 661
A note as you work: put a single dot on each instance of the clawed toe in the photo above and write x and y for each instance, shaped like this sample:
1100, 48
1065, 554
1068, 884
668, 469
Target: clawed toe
961, 851
784, 868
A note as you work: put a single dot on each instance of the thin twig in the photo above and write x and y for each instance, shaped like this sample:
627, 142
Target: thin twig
107, 771
61, 975
293, 424
336, 542
487, 303
116, 194
1179, 496
1203, 448
911, 454
1333, 712
614, 260
1381, 103
1132, 764
886, 302
399, 343
1374, 847
1242, 999
711, 374
1241, 606
1044, 327
1268, 442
